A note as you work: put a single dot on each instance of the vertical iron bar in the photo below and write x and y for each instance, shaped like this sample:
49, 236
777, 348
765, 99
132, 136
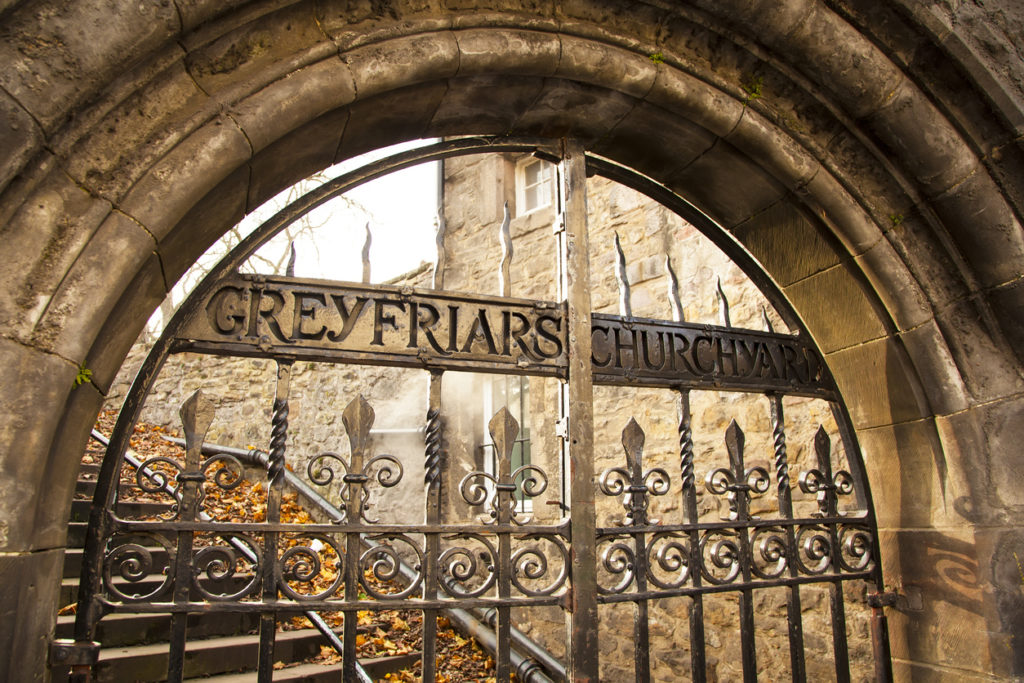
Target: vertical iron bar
633, 442
358, 419
793, 613
196, 416
275, 480
880, 643
433, 470
698, 654
829, 507
575, 256
734, 443
839, 646
505, 271
434, 464
698, 659
504, 429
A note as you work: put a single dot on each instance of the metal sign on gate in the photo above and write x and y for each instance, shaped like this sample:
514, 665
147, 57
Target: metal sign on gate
507, 560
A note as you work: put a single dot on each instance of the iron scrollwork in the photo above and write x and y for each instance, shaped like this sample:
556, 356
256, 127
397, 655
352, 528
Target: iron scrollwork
311, 567
530, 566
136, 559
467, 572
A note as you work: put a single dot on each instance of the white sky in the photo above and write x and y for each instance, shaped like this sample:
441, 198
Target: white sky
400, 207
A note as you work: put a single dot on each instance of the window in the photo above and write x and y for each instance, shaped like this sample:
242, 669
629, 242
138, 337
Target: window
534, 185
512, 392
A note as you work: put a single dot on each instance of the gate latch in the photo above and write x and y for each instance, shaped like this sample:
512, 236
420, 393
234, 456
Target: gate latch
66, 652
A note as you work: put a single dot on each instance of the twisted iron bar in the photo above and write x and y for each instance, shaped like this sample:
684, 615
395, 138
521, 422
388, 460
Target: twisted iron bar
432, 439
686, 444
278, 437
779, 442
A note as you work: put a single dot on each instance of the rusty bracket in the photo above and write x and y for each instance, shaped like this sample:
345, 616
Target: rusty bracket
884, 599
67, 652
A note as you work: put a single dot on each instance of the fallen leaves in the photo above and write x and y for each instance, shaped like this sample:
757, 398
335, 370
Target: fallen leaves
380, 633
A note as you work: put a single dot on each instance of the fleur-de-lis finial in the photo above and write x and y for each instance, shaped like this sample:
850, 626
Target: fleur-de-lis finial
821, 481
500, 494
631, 480
736, 482
625, 304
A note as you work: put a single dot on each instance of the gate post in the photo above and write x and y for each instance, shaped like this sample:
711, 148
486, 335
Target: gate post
574, 254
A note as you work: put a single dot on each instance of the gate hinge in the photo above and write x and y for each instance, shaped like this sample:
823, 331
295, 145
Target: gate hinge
66, 652
884, 599
562, 427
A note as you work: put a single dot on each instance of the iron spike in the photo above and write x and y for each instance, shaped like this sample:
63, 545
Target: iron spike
503, 429
358, 418
633, 439
723, 305
289, 270
822, 449
442, 256
505, 284
625, 304
673, 291
734, 444
196, 412
366, 254
764, 319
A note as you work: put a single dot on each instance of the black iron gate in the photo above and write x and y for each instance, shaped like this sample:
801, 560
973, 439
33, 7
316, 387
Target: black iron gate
502, 559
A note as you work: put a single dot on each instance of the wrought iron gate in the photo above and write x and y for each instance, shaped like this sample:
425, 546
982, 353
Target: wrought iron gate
504, 560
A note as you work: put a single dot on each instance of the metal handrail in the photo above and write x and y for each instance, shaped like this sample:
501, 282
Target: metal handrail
537, 665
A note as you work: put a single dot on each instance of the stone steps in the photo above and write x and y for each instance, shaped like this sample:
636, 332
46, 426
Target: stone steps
303, 673
222, 646
131, 509
85, 488
73, 560
213, 656
123, 629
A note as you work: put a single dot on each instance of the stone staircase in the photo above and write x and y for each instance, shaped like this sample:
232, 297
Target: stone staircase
221, 646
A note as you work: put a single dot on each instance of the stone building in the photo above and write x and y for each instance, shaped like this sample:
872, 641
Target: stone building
866, 154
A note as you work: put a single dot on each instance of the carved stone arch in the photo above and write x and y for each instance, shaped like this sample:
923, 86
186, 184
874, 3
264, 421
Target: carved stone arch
819, 134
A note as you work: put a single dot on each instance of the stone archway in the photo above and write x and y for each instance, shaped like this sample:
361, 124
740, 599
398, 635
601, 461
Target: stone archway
866, 158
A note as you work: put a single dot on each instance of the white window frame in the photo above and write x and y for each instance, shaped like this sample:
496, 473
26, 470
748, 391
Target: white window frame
489, 409
522, 187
